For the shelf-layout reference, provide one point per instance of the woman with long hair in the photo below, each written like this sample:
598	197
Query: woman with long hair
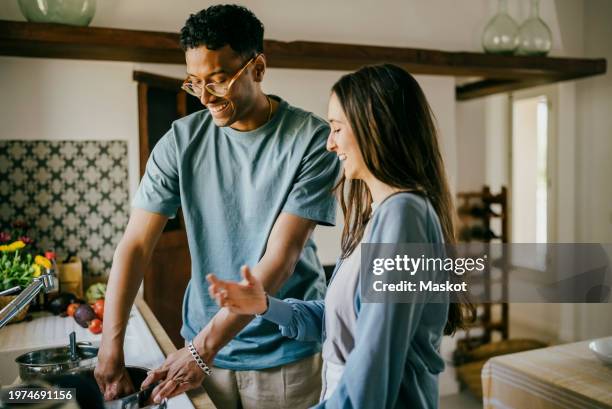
394	190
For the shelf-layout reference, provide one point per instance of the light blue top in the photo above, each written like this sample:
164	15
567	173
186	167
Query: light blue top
231	187
396	360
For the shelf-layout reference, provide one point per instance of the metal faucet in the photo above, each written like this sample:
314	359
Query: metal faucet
44	282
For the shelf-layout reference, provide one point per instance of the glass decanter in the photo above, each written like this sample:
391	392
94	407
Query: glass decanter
500	36
535	37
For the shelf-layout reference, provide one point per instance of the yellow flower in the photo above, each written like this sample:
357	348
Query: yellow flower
16	245
42	261
37	271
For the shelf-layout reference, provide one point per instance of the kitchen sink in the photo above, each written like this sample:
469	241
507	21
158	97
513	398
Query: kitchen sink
47	331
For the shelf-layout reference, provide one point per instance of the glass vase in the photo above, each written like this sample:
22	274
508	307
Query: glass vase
500	36
535	37
74	12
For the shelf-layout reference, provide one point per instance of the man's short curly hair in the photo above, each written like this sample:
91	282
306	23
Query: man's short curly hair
218	25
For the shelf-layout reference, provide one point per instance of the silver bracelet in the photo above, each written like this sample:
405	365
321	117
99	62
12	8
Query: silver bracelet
198	359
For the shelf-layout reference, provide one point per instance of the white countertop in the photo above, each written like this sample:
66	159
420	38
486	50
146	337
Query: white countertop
46	330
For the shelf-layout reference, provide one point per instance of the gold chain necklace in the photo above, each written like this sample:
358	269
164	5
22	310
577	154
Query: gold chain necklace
269	109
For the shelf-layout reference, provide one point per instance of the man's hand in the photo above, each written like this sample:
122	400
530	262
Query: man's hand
178	374
112	377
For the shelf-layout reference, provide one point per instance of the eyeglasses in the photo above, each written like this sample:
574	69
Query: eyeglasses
218	89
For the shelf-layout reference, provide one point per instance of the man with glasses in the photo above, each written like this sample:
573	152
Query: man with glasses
253	178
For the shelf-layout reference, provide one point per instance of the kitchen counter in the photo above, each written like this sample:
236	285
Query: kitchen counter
198	396
146	345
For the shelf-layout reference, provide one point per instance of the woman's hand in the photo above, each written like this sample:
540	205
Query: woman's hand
247	297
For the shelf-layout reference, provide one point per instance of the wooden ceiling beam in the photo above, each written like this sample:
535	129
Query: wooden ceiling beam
501	73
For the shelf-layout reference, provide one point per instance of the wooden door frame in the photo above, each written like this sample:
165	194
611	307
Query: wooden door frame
173	239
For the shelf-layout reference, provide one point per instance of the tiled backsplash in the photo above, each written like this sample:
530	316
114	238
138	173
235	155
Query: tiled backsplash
73	194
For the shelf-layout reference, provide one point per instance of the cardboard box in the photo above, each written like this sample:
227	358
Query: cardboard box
71	276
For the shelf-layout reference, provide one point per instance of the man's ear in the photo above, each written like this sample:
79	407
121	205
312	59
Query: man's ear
259	68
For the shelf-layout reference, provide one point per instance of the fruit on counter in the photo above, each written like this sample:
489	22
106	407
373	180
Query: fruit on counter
95	292
60	303
98	308
95	326
84	314
71	309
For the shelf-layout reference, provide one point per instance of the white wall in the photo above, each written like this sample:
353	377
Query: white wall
525	152
434	23
583	167
69	105
471	146
52	99
66	99
485	123
584	147
594	157
594	142
313	95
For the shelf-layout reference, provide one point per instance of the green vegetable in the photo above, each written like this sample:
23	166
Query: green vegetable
95	292
15	270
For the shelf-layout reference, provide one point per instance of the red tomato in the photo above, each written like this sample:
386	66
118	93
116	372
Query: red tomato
72	308
98	308
95	326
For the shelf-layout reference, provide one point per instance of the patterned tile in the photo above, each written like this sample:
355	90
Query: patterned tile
74	194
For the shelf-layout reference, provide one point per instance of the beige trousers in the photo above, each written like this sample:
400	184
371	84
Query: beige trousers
294	386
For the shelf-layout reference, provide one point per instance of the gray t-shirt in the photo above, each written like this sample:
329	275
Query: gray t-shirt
232	186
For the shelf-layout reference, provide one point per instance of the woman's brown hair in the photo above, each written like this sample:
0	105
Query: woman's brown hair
395	130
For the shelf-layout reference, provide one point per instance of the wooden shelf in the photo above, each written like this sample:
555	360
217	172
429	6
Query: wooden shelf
494	73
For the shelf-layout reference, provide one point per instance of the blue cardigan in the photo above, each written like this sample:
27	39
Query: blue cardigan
396	360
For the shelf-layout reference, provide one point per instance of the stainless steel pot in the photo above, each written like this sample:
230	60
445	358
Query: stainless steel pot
43	363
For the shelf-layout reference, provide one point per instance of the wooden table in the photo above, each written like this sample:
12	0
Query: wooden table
563	376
